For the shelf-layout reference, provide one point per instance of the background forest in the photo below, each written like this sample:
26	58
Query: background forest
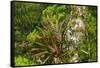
54	33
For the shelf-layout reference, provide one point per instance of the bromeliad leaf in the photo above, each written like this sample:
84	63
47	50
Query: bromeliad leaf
40	53
39	43
57	25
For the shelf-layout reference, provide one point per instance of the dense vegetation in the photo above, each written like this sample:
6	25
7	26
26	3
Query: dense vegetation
53	34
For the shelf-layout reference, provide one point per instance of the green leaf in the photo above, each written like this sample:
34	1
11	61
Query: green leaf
48	18
84	51
39	43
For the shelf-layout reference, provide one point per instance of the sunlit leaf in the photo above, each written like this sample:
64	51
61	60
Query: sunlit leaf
84	51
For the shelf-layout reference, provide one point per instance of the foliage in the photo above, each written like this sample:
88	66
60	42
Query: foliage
53	34
22	61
